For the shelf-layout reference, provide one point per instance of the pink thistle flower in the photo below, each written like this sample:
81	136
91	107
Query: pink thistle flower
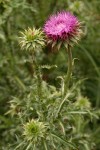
62	27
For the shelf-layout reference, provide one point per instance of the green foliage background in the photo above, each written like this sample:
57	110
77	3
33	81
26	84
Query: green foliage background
16	72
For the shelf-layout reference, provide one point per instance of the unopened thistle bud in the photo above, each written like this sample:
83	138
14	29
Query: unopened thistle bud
32	39
62	28
34	130
83	102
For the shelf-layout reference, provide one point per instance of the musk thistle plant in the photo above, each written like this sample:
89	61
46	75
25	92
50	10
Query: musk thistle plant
63	29
60	116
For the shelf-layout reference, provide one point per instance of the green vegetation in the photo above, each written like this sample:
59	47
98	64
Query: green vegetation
35	113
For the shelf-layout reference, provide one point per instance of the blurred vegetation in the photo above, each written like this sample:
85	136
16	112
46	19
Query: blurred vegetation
16	72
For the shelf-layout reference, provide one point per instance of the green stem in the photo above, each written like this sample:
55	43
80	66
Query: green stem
39	83
37	71
69	72
38	74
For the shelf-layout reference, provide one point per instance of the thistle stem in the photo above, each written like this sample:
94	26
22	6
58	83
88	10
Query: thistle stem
38	74
69	72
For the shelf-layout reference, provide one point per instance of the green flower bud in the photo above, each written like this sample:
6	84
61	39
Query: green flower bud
83	102
34	130
32	39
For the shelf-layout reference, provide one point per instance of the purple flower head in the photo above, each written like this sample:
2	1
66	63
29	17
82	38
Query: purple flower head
62	27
